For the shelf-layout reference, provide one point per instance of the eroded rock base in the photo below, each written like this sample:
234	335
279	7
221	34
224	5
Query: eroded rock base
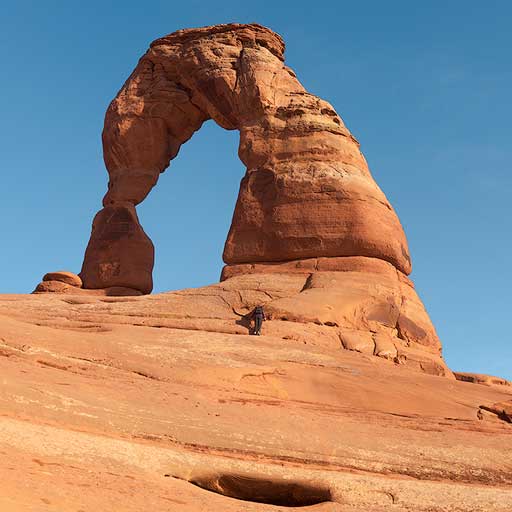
356	303
372	307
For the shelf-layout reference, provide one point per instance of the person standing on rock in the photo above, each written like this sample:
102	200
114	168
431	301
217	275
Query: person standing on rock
258	316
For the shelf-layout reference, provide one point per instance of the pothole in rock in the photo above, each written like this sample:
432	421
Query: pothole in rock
268	491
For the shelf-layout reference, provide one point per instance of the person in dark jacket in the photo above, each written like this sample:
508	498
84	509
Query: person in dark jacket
258	316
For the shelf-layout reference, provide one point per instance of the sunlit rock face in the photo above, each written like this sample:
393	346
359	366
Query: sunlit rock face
307	191
164	403
308	205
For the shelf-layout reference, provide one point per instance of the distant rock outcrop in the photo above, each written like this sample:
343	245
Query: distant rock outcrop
480	378
307	206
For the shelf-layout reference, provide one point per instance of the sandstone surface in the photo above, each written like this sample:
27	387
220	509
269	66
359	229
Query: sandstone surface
361	304
308	205
502	410
119	252
307	192
163	402
64	276
480	378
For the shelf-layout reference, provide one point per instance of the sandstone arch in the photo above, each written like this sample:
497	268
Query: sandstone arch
313	238
307	192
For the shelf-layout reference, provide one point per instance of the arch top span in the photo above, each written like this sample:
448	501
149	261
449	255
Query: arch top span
247	34
307	191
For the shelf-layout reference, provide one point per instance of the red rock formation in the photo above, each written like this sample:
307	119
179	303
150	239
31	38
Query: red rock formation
307	206
480	378
64	276
307	191
119	252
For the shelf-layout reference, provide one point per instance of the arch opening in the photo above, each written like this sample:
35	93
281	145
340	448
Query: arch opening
187	216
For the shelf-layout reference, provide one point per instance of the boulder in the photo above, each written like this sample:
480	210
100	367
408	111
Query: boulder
359	341
64	277
501	410
385	346
54	287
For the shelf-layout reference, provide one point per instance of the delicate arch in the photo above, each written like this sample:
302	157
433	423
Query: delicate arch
307	191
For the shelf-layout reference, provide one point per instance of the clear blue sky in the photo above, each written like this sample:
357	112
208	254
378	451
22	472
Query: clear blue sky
425	87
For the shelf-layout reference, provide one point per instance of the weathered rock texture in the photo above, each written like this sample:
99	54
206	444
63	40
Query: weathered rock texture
479	378
119	252
63	276
307	206
307	192
366	302
123	404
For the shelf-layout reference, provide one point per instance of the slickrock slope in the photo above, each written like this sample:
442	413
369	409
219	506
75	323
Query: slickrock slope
162	402
365	305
